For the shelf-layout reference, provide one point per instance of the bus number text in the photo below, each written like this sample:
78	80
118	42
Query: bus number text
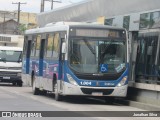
86	83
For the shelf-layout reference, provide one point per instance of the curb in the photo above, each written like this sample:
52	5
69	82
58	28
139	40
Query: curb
138	105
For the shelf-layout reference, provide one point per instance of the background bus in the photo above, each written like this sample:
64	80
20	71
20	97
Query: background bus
11	47
84	59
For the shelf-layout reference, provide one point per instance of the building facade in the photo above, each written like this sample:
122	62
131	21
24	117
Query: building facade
9	25
144	32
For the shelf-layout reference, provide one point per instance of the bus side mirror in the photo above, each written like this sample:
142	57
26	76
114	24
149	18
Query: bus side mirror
63	48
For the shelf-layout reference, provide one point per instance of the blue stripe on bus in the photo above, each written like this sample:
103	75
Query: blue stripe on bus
27	65
107	83
40	67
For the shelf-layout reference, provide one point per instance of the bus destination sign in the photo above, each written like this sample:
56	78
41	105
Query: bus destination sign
97	33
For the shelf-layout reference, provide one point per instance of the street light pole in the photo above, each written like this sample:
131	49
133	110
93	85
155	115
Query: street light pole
4	19
43	4
52	5
52	1
19	5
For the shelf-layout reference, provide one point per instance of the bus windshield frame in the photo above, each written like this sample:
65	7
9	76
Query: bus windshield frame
93	50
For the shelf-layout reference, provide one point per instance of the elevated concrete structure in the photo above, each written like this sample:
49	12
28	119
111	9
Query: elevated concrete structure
90	10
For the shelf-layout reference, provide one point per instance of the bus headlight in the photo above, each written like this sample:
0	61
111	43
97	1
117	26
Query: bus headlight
123	81
19	74
71	80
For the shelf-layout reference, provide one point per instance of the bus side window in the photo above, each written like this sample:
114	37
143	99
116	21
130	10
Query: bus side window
33	45
49	45
25	45
56	45
38	40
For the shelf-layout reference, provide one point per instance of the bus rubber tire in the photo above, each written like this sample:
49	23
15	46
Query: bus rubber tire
14	83
44	92
19	83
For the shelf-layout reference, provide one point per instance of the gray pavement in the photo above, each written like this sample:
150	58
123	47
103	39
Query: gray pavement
21	99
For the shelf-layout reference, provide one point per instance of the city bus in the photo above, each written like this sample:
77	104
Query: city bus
11	47
77	59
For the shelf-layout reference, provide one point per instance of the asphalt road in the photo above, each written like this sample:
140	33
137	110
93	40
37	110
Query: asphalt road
14	98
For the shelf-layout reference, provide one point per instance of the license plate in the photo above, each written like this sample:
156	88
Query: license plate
6	77
97	93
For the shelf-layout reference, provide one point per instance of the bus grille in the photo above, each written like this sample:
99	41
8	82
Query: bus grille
11	68
105	77
7	74
89	91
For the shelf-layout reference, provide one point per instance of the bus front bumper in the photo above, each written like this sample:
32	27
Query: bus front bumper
10	79
70	89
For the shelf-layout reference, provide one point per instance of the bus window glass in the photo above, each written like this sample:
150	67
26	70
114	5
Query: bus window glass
146	56
49	45
144	21
108	21
87	55
10	56
126	22
56	45
33	46
25	45
38	45
155	18
159	63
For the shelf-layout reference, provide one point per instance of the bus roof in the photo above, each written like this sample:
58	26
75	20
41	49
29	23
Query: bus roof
11	48
64	26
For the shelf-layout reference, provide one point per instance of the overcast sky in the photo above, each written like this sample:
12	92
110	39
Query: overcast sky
33	5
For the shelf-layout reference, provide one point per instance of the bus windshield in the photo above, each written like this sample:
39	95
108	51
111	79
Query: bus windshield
10	56
89	55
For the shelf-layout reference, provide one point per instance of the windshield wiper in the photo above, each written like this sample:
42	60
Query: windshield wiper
89	46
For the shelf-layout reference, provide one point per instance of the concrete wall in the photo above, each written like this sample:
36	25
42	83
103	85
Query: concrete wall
145	93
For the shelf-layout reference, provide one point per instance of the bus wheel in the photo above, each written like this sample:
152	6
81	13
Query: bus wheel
14	83
34	89
19	84
58	97
44	92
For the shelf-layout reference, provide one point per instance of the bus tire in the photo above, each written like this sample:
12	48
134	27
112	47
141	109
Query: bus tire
43	92
19	84
14	83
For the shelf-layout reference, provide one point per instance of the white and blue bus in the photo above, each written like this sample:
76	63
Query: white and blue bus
81	59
